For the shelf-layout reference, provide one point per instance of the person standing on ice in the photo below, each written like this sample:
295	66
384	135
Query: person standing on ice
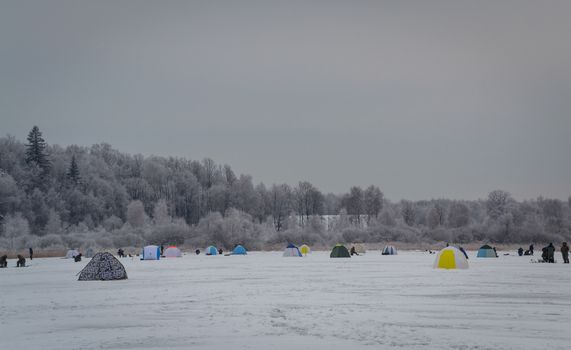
31	253
520	251
531	249
550	253
565	252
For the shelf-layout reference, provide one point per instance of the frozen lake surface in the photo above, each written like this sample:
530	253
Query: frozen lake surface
264	301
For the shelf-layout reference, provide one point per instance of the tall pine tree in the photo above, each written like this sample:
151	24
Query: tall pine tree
36	149
73	172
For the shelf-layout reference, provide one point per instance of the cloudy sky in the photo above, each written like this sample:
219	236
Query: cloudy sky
424	98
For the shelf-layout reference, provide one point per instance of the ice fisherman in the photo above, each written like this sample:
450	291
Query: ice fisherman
197	252
121	253
544	254
520	251
550	253
31	253
21	261
220	251
464	252
3	261
565	252
354	251
495	251
77	258
531	249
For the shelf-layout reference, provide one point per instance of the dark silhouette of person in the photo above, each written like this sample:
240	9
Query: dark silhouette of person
565	252
31	253
550	253
220	251
495	251
520	251
121	253
531	249
162	249
354	251
197	252
77	258
544	254
21	261
3	261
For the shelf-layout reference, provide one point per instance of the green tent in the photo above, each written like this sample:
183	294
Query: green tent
339	251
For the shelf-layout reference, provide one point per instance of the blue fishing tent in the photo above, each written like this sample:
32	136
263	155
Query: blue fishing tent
239	250
487	252
292	250
211	250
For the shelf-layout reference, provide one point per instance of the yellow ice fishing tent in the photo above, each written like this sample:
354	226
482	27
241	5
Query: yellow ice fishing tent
304	249
450	258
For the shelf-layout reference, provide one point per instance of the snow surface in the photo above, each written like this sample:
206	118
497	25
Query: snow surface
266	301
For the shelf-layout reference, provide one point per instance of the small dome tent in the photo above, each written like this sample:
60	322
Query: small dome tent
151	252
304	249
450	258
389	250
211	250
172	252
292	251
239	250
339	251
103	267
72	253
89	253
486	251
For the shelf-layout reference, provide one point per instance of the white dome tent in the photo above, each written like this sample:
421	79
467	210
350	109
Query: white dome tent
172	252
450	258
389	250
72	253
292	251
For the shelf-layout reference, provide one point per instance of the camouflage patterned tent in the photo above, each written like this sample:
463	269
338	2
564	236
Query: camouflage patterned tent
103	267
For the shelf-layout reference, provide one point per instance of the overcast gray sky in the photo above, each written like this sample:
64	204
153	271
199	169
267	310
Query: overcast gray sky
422	98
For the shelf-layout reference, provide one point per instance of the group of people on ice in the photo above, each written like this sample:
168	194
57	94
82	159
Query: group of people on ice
548	253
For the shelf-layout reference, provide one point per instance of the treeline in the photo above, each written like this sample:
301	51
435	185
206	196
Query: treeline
55	198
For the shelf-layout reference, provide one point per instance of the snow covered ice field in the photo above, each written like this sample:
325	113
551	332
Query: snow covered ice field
264	301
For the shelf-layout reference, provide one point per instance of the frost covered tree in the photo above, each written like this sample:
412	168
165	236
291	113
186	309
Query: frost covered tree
458	215
136	215
161	213
15	226
36	149
353	202
408	212
436	216
73	171
498	203
373	202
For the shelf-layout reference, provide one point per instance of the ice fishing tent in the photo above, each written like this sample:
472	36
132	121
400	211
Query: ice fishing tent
72	253
486	251
304	249
450	258
172	252
151	252
89	253
211	250
389	250
339	251
292	251
239	250
103	267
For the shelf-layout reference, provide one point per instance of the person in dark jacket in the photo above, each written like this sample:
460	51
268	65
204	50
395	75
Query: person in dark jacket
21	261
197	252
520	251
77	258
3	261
565	252
121	253
31	253
544	254
531	249
550	253
354	251
220	251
